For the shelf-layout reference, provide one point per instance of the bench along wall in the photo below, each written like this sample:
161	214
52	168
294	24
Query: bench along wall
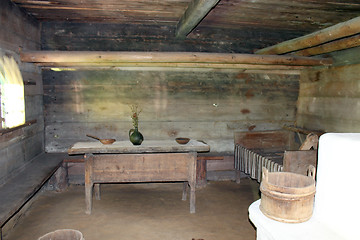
329	99
206	105
18	31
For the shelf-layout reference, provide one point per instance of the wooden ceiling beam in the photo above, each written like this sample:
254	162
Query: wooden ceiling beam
337	31
175	59
333	46
192	16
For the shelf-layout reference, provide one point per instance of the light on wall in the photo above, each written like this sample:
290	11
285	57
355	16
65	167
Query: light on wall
12	93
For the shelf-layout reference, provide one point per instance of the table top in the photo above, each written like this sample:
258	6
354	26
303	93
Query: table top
147	146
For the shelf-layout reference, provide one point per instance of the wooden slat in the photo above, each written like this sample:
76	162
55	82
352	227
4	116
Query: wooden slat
195	12
337	31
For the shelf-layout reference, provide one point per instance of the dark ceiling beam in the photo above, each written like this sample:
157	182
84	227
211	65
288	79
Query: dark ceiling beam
332	33
193	15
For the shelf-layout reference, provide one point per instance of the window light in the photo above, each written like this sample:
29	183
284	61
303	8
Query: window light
12	93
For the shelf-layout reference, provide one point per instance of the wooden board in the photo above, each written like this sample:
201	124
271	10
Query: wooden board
147	146
299	161
15	193
268	140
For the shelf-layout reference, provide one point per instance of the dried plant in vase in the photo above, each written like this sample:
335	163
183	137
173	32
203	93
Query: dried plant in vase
134	135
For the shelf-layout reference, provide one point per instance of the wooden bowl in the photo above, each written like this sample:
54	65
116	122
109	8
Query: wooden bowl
107	141
182	140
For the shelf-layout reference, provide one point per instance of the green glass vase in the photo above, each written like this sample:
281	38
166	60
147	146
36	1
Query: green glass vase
135	136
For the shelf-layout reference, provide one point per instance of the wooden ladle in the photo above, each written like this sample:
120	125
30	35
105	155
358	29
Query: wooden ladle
103	141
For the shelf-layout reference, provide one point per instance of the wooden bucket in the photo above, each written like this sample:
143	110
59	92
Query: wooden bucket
63	234
287	197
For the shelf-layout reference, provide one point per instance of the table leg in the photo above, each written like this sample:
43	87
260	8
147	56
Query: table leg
185	188
97	191
88	197
88	182
192	198
192	181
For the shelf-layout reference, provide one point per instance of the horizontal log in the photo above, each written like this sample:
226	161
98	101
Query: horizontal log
333	46
337	31
163	59
75	66
255	69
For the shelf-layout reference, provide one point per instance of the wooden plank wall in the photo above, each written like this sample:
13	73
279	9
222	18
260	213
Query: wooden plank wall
137	37
206	105
18	31
329	99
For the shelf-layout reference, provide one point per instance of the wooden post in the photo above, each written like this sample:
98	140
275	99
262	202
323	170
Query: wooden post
192	16
337	31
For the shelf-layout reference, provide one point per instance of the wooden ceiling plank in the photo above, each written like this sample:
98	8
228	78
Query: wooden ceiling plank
104	57
337	31
192	16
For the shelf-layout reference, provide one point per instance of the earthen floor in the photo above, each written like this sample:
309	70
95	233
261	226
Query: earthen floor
144	211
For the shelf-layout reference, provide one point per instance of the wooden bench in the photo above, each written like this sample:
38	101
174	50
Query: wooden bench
18	190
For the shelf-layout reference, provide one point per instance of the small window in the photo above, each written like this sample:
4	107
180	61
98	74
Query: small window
11	94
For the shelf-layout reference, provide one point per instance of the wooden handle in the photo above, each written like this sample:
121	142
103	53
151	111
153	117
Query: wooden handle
265	174
93	137
311	171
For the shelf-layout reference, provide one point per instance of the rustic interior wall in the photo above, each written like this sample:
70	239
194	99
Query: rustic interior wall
206	105
17	32
329	98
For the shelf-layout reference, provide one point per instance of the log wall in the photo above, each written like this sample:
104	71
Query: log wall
18	31
329	98
205	105
137	37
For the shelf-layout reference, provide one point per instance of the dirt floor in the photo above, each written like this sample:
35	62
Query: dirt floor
144	211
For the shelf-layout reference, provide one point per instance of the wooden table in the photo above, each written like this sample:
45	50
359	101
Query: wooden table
153	161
